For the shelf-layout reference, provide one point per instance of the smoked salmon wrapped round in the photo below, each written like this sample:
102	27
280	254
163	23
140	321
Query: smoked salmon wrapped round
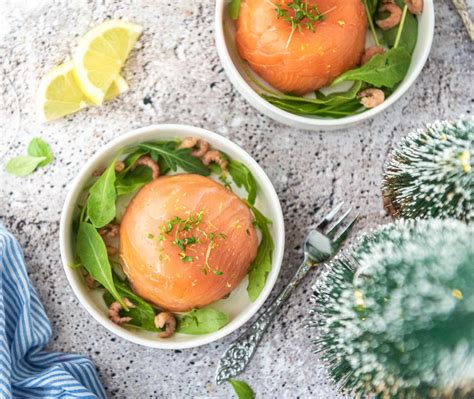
186	241
308	59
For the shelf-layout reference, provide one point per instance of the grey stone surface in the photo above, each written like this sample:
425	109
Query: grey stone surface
176	68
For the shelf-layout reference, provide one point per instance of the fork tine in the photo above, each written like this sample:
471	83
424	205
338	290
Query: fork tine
330	216
337	243
332	232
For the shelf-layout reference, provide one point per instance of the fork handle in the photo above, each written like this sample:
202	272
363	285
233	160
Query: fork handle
236	358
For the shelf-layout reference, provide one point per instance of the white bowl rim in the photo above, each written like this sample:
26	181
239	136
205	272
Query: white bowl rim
306	122
170	130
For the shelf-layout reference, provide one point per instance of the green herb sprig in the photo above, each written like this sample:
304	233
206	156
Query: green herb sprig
299	12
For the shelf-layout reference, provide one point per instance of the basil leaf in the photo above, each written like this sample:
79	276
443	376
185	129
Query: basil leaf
383	70
143	314
101	199
234	9
409	34
202	321
40	148
242	389
173	158
133	180
23	165
243	177
90	248
262	264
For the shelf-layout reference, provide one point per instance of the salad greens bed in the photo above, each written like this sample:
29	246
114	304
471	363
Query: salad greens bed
383	71
99	209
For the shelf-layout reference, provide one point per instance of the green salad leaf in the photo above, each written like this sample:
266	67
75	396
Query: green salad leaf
23	165
242	389
133	180
201	321
336	105
243	177
409	33
40	148
340	97
307	108
101	200
371	6
131	158
91	250
234	9
143	314
383	70
262	265
173	157
39	155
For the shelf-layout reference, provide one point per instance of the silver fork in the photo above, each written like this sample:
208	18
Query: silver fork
319	247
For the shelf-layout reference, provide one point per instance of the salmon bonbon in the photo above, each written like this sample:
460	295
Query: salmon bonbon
307	59
186	241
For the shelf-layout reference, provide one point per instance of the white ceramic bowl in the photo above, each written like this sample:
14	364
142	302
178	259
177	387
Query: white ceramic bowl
225	42
237	306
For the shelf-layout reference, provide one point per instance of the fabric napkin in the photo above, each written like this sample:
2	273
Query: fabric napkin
26	371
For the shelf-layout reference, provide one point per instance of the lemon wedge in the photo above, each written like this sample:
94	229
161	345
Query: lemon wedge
101	54
59	93
118	86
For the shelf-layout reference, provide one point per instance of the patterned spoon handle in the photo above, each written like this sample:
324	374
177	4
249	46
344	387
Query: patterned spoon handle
462	10
236	358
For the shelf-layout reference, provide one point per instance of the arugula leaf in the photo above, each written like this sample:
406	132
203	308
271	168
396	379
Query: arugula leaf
173	158
23	165
131	158
243	177
409	34
383	70
202	321
133	180
143	314
234	9
90	248
242	389
40	148
101	199
262	265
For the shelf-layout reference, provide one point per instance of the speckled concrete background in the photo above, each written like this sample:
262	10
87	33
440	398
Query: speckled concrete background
175	76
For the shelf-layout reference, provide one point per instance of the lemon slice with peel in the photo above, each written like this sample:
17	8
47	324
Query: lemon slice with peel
118	86
101	54
59	93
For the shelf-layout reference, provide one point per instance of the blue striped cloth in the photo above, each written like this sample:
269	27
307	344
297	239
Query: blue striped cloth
26	371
